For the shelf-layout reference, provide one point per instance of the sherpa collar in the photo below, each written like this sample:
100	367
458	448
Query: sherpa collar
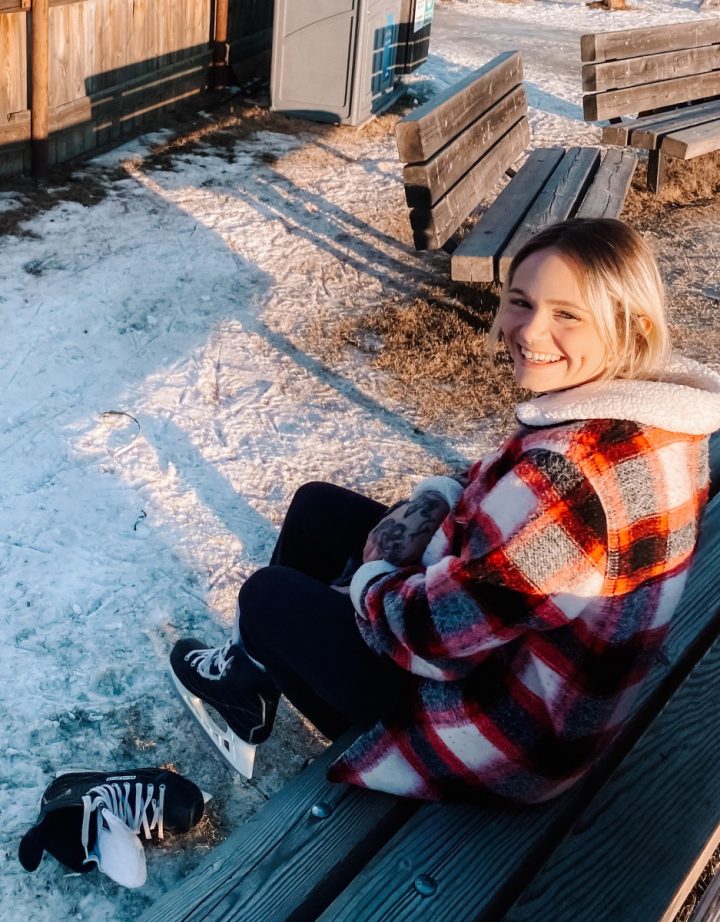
685	397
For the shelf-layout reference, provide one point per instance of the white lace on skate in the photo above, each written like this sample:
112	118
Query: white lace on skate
117	851
210	663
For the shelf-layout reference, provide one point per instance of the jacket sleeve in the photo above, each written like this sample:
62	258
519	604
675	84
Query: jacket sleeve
527	555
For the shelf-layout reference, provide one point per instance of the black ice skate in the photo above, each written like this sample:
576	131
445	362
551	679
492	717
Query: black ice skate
243	695
94	818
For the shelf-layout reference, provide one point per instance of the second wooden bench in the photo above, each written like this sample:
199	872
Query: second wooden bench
461	142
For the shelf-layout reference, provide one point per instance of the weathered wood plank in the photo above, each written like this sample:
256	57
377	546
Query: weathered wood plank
693	142
615	75
16	128
606	195
293	857
432	227
656	170
662	804
451	862
13	64
628	43
650	96
648	134
476	259
557	201
427	182
422	133
621	133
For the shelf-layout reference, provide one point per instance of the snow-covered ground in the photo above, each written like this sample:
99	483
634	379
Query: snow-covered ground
157	413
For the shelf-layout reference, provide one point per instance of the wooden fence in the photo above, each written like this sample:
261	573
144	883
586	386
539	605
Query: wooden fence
112	64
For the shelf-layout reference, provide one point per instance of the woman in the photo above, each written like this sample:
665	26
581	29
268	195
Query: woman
499	625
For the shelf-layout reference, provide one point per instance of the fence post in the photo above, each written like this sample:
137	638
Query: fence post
221	48
39	145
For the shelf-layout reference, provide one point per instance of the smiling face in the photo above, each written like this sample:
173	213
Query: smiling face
552	337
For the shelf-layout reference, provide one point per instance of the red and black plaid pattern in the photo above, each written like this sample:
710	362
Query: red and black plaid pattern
546	601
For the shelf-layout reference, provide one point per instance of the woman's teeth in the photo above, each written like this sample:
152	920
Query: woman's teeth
542	357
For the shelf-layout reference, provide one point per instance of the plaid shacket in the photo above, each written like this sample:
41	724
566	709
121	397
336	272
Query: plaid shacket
538	609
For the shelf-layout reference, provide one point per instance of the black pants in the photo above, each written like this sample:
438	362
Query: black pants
303	631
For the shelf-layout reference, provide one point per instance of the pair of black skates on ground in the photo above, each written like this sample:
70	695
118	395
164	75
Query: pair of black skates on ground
94	819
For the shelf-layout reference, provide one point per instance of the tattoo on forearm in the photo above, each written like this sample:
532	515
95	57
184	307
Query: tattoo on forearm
428	505
389	538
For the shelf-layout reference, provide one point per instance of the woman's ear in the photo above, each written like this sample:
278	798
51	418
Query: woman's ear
645	324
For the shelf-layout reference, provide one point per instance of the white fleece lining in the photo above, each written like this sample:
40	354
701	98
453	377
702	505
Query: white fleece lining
364	575
686	399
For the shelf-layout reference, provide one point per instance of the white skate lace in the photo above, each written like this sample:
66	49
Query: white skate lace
116	798
211	663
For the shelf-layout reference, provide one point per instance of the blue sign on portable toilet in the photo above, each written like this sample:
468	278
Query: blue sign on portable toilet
341	60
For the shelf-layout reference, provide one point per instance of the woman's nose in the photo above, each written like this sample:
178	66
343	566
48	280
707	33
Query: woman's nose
535	326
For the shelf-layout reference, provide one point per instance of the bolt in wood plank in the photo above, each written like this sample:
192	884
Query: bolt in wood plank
427	182
615	75
293	856
557	201
647	136
422	133
628	43
651	96
432	227
693	142
451	862
606	195
475	260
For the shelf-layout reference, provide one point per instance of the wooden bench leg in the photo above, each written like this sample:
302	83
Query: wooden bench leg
656	170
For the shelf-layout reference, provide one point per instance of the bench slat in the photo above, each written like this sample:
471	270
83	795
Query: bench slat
606	196
615	75
432	227
472	863
650	96
693	142
558	199
427	182
475	260
623	133
662	804
627	43
422	133
284	859
648	134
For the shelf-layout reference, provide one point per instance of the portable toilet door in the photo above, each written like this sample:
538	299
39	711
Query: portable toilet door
334	60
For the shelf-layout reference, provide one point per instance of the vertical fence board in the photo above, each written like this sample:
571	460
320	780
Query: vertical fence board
13	64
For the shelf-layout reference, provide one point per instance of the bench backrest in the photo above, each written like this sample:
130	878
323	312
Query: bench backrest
641	70
458	144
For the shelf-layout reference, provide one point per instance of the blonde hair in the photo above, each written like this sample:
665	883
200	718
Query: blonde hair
620	282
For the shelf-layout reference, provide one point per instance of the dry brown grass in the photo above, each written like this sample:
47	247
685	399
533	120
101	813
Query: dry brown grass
431	350
687	182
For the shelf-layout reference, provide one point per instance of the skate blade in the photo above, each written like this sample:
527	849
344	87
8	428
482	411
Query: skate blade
238	754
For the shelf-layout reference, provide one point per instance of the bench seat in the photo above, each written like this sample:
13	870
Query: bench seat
667	79
459	144
552	185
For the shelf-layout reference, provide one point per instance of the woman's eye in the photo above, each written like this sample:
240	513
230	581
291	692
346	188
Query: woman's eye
519	302
566	315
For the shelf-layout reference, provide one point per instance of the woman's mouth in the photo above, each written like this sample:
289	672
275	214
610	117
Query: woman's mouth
539	358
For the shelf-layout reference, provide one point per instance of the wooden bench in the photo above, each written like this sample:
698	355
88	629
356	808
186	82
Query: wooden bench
460	143
669	76
625	845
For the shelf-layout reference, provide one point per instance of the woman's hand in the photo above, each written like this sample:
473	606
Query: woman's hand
402	536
